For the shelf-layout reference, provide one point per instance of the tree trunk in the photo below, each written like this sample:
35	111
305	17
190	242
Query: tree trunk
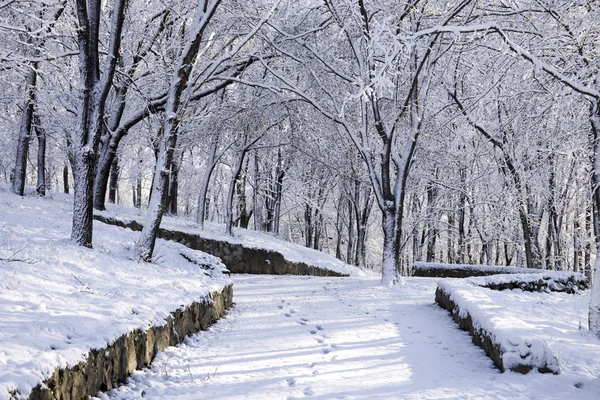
243	214
431	224
113	187
41	156
349	251
391	247
462	205
211	162
589	233
258	223
20	173
137	193
94	88
236	174
450	245
101	180
594	310
66	179
362	219
173	192
318	218
308	226
278	195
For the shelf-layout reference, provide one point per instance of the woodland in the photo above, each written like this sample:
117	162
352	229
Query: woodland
382	132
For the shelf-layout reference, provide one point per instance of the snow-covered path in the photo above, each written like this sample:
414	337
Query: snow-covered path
334	338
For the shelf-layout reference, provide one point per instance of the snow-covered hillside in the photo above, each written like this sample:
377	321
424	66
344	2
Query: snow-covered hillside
59	300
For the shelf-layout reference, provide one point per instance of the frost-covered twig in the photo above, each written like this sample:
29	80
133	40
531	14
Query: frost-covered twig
12	258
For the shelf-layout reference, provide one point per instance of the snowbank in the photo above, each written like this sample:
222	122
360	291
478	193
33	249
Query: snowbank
59	300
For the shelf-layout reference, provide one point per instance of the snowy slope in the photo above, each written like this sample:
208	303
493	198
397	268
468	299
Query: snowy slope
249	238
59	300
348	338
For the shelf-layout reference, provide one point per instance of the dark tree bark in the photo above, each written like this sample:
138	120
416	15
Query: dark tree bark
350	257
66	179
113	187
363	204
173	185
20	173
431	224
308	226
244	216
41	156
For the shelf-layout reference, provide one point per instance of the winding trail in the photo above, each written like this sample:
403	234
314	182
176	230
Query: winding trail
291	337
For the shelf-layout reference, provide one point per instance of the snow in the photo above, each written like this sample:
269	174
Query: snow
59	300
490	268
555	279
249	238
521	341
352	338
287	336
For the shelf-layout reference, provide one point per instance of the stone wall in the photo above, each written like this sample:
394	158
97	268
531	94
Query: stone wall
107	367
237	257
435	270
486	340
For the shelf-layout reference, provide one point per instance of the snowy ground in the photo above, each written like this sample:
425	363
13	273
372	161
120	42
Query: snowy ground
59	300
350	338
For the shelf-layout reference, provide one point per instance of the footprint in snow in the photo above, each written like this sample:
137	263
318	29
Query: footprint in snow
326	350
287	314
292	311
291	382
308	391
304	319
302	322
313	332
319	340
319	327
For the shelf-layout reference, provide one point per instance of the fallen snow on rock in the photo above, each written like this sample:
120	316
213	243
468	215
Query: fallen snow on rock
532	328
59	300
292	337
555	281
249	238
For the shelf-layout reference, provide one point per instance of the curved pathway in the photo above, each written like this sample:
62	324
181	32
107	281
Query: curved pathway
291	337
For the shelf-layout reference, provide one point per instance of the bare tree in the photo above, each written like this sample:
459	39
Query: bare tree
95	85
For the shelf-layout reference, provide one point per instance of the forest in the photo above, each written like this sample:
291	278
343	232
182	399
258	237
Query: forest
382	132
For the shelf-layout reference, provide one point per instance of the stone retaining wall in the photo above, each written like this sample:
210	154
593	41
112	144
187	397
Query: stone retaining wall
435	270
485	340
237	257
107	367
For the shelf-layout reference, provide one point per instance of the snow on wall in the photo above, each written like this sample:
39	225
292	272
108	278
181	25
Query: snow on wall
519	342
249	238
487	268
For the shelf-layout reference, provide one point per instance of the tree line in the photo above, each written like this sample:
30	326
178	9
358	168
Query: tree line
384	132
